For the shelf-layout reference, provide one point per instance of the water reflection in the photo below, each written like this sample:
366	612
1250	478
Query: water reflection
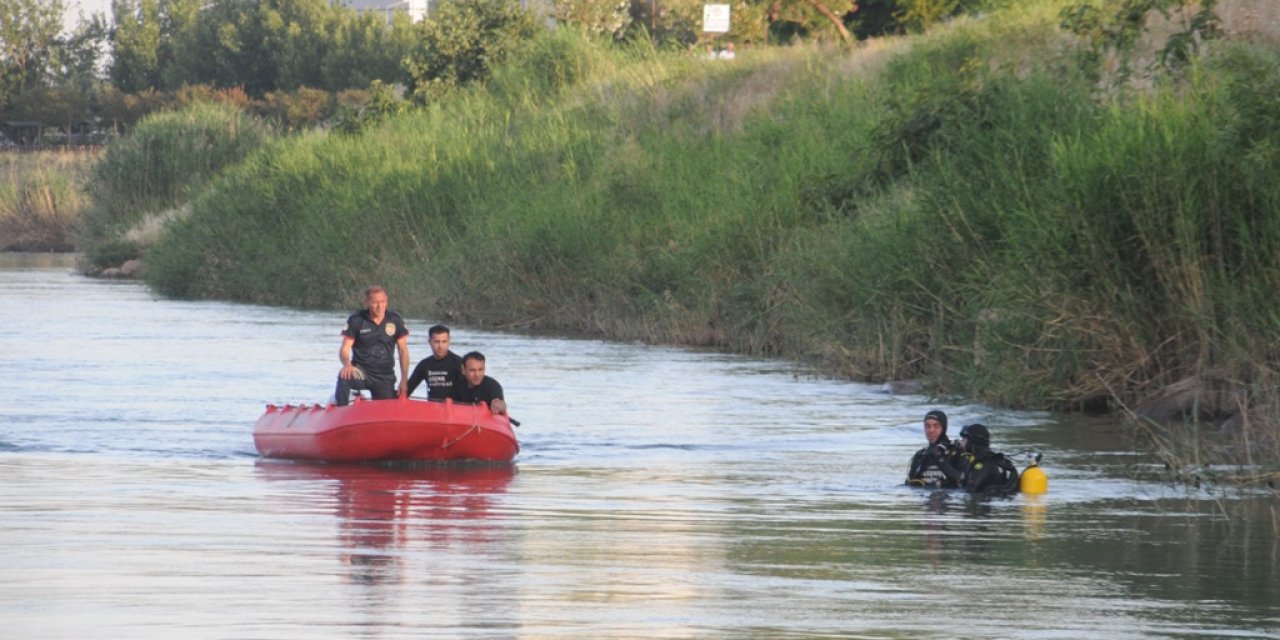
33	261
387	515
956	525
935	525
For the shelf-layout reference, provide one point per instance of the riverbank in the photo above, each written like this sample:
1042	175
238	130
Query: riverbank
978	208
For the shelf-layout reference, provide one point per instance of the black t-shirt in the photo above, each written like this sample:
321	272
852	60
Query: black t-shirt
374	350
487	391
442	375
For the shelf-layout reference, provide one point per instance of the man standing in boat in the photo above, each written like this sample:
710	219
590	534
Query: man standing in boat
442	370
369	342
477	387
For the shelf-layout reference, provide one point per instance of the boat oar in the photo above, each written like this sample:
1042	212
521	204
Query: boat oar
514	422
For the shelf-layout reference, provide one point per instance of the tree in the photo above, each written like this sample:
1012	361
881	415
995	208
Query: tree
300	32
794	10
28	41
57	107
78	58
1114	28
366	48
226	45
178	19
135	44
597	17
464	42
297	110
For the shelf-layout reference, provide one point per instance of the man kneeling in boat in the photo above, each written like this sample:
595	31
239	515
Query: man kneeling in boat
368	343
477	387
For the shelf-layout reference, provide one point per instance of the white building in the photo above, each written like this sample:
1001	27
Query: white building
417	9
422	9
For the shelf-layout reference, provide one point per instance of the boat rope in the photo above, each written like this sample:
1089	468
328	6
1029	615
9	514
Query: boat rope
450	443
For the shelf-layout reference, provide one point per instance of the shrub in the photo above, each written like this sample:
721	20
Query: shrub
168	158
464	42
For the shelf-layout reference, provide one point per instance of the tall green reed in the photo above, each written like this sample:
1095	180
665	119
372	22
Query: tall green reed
167	159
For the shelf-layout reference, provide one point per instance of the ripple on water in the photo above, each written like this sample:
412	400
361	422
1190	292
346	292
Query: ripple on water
693	495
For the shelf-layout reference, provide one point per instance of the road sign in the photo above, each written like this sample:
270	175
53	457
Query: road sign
715	18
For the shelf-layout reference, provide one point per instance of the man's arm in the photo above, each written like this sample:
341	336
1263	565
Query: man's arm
344	356
944	461
497	401
418	376
402	345
916	470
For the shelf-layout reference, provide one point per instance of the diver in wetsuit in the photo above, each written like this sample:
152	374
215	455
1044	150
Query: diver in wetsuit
984	470
936	465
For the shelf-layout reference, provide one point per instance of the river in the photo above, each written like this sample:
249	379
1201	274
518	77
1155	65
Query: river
659	493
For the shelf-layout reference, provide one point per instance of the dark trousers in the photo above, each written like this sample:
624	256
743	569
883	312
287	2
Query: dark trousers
381	388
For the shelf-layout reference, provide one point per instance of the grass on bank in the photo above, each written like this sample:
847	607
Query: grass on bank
42	198
969	209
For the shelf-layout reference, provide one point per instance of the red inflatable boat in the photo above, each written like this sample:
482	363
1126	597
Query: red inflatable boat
382	430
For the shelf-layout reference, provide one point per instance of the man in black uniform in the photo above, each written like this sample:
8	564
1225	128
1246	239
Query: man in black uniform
986	471
935	466
369	342
477	387
442	370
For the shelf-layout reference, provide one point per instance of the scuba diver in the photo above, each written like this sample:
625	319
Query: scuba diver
937	465
984	470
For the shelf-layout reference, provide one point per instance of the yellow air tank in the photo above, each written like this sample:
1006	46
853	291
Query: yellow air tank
1033	480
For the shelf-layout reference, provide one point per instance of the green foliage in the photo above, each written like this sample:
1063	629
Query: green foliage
464	42
120	112
168	158
548	65
278	45
1182	47
302	109
922	15
677	24
359	110
876	18
935	94
970	211
1251	79
29	44
1099	251
75	61
136	45
609	18
366	49
54	106
1116	26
